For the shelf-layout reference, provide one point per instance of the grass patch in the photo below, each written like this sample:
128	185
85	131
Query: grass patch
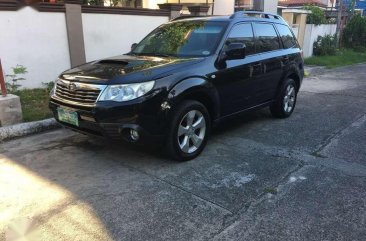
34	104
271	190
342	58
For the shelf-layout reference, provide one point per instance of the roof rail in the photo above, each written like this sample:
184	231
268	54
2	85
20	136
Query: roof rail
185	17
257	14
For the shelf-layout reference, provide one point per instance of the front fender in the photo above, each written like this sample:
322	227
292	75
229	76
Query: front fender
197	88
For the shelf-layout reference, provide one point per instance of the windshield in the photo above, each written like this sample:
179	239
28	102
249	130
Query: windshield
182	39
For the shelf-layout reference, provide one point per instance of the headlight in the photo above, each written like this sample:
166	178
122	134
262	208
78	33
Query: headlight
126	92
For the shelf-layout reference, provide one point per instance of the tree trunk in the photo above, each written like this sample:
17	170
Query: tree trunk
353	8
339	23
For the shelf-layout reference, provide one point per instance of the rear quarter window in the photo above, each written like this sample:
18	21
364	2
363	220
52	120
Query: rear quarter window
287	36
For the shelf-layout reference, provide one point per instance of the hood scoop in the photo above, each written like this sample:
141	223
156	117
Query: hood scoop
113	61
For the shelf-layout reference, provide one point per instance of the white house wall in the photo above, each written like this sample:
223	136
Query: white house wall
37	40
107	35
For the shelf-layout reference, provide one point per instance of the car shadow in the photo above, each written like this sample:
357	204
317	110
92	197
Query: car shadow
104	174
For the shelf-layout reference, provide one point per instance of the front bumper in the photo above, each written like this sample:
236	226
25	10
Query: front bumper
115	120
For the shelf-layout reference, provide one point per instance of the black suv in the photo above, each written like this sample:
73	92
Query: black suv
182	78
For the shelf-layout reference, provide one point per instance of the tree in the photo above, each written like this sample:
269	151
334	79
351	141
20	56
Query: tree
317	15
354	34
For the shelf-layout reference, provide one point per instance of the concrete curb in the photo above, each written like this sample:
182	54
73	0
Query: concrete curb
23	129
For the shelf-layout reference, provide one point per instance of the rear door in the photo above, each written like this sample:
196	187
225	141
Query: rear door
269	46
291	55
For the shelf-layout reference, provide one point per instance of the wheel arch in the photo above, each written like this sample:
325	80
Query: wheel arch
296	78
292	73
199	89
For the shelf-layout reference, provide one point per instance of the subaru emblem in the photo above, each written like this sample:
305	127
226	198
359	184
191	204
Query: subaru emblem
72	87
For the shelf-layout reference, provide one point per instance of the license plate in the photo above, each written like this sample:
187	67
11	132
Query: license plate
68	116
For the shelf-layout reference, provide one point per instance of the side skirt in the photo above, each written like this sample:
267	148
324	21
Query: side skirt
253	108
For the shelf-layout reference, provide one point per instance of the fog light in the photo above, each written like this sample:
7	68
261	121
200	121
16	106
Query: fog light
135	136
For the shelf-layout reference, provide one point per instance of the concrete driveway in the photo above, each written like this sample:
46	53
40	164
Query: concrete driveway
303	178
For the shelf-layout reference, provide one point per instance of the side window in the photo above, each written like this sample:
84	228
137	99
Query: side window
267	39
242	33
287	37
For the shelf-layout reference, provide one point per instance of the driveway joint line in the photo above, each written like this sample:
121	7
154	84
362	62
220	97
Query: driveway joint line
339	133
258	200
350	169
180	188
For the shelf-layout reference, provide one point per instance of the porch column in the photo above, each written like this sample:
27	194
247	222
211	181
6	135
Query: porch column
266	6
173	8
296	18
75	35
199	10
224	7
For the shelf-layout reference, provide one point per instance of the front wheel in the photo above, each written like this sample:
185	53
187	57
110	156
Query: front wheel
189	130
286	100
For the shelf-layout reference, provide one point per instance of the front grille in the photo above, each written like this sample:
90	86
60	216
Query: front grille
77	93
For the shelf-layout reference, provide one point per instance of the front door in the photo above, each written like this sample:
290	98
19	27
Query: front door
235	82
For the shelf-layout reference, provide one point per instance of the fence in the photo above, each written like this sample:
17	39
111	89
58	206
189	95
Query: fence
38	38
311	35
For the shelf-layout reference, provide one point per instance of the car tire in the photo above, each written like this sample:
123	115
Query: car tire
189	130
285	103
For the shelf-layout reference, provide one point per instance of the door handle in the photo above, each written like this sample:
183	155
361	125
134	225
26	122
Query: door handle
286	58
254	68
257	65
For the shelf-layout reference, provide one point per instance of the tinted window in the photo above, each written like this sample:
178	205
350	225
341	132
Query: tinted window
267	39
242	33
287	37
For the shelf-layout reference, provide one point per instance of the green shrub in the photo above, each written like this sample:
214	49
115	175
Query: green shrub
325	45
317	15
12	85
354	34
48	85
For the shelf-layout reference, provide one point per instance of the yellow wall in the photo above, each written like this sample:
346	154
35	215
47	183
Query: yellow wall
153	4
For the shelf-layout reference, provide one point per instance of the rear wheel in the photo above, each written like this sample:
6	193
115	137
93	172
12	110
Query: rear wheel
286	100
189	130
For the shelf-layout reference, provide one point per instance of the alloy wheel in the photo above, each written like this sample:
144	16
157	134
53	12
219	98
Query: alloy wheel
191	131
289	99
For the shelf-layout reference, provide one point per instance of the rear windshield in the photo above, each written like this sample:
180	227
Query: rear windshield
182	39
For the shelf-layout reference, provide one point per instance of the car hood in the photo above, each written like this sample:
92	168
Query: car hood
127	69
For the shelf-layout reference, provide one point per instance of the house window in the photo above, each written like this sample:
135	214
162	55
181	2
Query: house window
243	4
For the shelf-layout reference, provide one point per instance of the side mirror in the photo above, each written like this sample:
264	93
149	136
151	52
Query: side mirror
235	51
133	46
